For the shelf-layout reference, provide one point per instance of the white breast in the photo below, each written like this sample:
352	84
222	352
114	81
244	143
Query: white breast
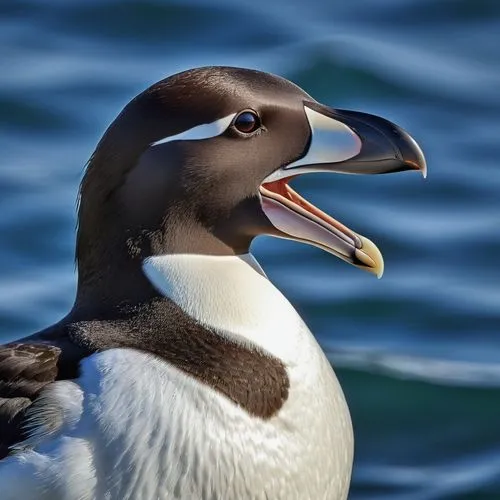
149	431
233	295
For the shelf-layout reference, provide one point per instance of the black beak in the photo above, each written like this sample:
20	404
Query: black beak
347	142
371	145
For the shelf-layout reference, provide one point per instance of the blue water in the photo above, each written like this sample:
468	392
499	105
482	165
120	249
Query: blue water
418	351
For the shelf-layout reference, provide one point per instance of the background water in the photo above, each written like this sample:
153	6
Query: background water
418	351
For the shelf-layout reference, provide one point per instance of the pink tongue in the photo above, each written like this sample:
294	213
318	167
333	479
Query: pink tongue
282	188
296	225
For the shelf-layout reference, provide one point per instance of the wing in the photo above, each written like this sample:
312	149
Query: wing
26	367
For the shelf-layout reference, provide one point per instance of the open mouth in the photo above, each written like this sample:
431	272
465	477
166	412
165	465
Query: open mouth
344	142
298	219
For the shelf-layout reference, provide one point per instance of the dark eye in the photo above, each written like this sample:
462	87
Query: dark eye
247	122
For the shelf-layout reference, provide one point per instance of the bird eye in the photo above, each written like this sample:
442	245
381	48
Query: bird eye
247	122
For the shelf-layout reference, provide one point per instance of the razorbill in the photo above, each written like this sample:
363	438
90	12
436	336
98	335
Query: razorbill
181	372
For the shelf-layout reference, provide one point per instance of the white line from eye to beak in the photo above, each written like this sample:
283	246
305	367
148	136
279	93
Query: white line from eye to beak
203	131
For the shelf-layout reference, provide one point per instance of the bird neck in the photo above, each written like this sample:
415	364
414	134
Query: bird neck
110	272
230	294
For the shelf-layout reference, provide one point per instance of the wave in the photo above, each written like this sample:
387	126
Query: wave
448	372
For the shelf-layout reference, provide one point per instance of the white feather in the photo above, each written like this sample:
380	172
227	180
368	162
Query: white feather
233	295
147	430
58	408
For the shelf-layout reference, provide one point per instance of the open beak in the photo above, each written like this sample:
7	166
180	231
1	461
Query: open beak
347	142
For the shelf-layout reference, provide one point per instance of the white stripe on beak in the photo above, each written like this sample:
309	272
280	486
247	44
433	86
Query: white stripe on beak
331	141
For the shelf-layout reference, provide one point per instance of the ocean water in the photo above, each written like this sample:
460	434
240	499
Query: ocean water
418	352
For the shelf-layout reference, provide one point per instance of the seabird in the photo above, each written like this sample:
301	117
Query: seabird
181	372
